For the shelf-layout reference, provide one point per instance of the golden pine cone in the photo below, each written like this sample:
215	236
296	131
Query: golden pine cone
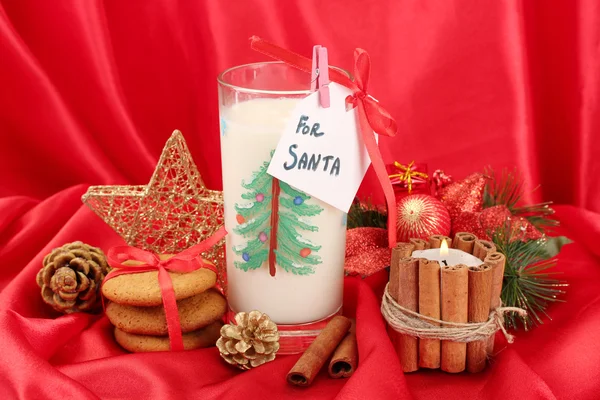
71	276
253	341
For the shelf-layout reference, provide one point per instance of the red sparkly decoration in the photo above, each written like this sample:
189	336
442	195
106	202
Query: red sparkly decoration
420	216
484	223
439	180
367	251
464	196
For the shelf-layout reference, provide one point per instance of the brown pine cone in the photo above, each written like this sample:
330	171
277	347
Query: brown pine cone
71	276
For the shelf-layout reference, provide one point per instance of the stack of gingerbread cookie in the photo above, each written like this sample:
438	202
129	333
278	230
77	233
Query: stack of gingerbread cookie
136	309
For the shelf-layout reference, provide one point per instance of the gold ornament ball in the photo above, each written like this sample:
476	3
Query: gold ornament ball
420	216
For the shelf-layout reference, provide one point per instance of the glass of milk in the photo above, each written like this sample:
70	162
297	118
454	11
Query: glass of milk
285	249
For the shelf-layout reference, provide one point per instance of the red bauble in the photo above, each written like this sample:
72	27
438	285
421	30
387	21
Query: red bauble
305	252
420	216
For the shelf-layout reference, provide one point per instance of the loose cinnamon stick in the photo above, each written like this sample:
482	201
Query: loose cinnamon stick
482	248
345	359
313	359
435	241
419	244
497	261
455	298
480	289
464	241
429	305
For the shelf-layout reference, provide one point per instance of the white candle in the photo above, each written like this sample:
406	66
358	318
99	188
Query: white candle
446	256
251	131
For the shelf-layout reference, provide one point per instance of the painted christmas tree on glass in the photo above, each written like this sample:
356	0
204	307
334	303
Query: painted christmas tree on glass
271	221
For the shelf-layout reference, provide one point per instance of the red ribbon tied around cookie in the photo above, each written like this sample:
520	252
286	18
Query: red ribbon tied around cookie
187	261
372	117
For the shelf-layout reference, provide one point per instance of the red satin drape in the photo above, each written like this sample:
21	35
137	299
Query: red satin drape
91	90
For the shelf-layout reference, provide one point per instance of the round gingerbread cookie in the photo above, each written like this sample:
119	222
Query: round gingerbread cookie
143	290
194	313
204	337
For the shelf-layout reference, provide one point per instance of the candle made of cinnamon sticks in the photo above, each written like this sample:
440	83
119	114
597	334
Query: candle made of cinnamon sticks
480	289
435	241
419	244
464	241
454	300
345	358
429	305
313	359
482	248
498	262
404	288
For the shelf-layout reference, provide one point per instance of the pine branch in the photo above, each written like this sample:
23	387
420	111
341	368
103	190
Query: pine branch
366	214
290	191
506	188
253	224
256	207
301	210
287	218
255	261
528	281
289	266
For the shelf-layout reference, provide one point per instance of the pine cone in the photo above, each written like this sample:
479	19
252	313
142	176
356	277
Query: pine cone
70	277
253	341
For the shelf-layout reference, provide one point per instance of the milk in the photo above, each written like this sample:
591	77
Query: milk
250	131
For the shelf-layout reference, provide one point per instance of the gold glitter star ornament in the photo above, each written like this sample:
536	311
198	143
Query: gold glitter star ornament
173	212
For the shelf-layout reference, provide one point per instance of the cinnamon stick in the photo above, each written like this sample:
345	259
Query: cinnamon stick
482	248
429	305
464	241
455	298
345	359
419	244
498	262
480	289
313	359
402	250
435	241
407	295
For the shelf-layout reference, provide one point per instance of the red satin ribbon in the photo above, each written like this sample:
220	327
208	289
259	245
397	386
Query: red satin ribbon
187	261
371	116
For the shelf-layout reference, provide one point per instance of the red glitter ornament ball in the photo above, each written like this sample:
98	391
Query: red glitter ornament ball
420	216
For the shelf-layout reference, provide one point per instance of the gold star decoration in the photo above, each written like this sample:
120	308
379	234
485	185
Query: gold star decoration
173	212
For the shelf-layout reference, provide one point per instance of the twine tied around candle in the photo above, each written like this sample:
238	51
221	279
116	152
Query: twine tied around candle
412	323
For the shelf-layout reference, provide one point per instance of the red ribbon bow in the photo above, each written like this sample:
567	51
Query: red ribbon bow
371	116
187	261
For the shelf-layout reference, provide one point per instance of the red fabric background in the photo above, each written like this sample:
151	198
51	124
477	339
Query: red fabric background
90	91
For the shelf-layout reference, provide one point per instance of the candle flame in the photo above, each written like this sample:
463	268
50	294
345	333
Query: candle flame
444	248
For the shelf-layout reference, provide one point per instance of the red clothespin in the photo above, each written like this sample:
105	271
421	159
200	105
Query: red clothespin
320	74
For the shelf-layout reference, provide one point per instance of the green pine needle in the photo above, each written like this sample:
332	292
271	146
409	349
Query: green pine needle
365	214
528	281
506	188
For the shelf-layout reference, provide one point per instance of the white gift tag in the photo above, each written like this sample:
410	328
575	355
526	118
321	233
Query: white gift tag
321	151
